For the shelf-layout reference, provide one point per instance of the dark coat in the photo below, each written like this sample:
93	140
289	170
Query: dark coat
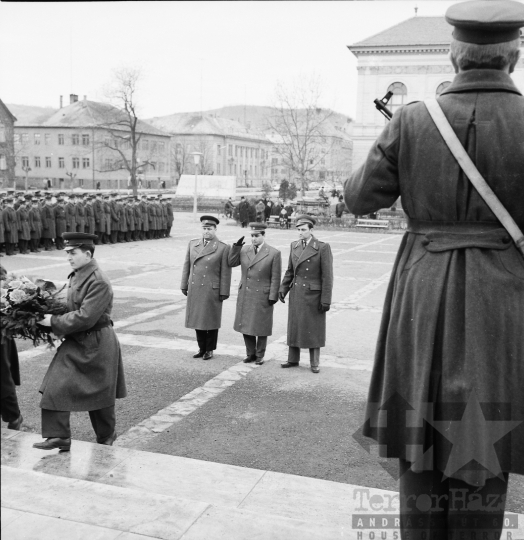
10	225
90	219
130	217
258	285
169	208
86	372
452	325
48	222
106	205
206	276
24	228
145	216
138	217
60	220
98	209
35	222
252	213
70	217
115	215
80	217
10	368
122	217
243	212
309	277
2	234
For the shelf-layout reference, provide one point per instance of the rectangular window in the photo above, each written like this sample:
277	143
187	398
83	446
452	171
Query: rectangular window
76	163
229	149
25	138
153	146
85	139
162	146
2	134
17	138
37	161
236	151
75	139
85	163
81	182
25	161
3	163
145	145
37	138
48	162
60	138
47	138
255	170
61	163
219	149
107	141
235	168
218	168
107	164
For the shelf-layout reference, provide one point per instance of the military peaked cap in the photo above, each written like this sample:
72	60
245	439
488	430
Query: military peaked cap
486	21
209	220
75	239
303	219
256	226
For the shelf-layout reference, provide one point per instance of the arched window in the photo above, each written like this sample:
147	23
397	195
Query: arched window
441	87
399	96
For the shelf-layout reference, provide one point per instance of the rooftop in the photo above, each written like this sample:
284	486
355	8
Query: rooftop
417	31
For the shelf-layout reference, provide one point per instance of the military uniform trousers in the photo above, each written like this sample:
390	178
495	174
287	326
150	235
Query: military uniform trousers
255	346
9	408
56	423
294	356
207	340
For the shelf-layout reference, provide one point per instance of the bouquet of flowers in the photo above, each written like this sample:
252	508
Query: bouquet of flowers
24	303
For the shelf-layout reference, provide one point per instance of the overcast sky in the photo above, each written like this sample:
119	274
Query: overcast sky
220	53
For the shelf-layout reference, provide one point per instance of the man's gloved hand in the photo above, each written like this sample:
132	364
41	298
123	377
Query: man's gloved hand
223	297
281	297
324	307
272	302
239	242
184	292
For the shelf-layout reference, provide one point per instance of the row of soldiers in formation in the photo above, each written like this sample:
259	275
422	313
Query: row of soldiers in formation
31	221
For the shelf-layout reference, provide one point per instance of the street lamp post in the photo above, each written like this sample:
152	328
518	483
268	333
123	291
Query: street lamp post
196	157
26	170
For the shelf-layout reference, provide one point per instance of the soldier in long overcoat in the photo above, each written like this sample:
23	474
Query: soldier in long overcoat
86	373
90	215
80	214
106	239
206	281
10	226
130	219
309	277
24	228
35	222
60	221
48	223
261	266
122	220
115	218
243	212
169	210
151	211
100	220
452	335
70	213
137	235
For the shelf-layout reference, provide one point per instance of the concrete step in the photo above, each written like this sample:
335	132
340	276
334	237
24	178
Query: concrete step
96	491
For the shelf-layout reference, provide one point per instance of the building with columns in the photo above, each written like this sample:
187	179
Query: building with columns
409	59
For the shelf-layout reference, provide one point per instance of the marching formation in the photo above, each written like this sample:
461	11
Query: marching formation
34	221
206	281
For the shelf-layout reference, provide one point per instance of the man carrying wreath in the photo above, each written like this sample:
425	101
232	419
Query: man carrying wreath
86	373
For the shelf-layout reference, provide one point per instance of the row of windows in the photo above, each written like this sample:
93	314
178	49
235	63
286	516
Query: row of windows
84	139
244	151
111	164
37	162
400	93
234	169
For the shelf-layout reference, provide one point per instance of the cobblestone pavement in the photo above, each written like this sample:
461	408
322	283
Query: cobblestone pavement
263	417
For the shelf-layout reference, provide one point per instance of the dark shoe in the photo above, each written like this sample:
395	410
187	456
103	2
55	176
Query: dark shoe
287	364
315	369
109	441
15	424
259	361
64	445
199	354
207	355
249	359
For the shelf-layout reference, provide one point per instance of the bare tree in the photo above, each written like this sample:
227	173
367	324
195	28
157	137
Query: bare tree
206	159
122	137
179	155
299	125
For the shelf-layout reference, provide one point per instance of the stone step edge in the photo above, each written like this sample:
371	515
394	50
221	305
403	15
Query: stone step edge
149	494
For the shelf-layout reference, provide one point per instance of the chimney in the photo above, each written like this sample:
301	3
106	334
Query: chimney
73	98
85	99
61	101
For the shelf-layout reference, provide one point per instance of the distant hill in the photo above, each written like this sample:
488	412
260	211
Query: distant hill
30	114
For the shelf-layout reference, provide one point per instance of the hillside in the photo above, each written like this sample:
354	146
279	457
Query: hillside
30	114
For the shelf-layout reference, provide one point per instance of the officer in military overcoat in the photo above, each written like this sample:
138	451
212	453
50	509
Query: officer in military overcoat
137	235
35	222
206	281
24	228
99	215
80	213
309	280
86	373
48	223
60	221
106	237
451	340
169	210
90	215
10	226
145	218
261	266
70	213
130	219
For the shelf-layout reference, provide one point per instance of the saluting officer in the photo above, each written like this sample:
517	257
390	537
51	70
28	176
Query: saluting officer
309	277
206	281
261	266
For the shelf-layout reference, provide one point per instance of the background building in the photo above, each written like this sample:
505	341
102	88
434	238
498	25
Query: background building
85	144
228	147
7	149
409	59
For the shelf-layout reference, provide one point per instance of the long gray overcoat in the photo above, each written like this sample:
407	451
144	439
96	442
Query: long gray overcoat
86	372
10	225
70	216
259	284
309	281
48	222
35	221
90	219
107	215
24	227
206	275
61	220
453	321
